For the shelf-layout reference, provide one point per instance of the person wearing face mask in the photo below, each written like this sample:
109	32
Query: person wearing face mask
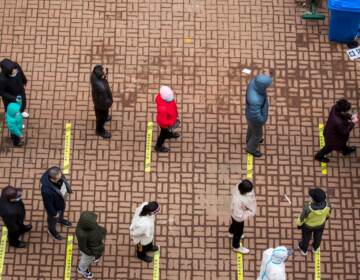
337	130
14	122
12	84
167	117
243	207
273	263
142	229
312	220
102	98
12	211
55	190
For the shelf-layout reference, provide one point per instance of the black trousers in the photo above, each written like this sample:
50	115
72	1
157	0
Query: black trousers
164	134
141	250
327	150
52	221
16	139
101	117
13	236
306	235
237	229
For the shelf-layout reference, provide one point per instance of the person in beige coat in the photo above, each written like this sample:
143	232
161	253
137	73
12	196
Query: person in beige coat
243	207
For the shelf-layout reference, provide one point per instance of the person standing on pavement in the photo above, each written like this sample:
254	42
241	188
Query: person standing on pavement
142	229
55	190
257	107
12	84
90	237
14	122
167	117
273	263
102	98
243	207
337	130
12	211
313	219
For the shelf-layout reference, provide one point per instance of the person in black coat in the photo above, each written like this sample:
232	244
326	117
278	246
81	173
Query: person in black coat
337	130
12	84
102	98
55	190
12	211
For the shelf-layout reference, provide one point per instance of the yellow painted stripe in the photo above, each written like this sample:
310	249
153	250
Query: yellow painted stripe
249	166
67	148
68	261
156	265
317	265
3	249
322	144
240	269
149	136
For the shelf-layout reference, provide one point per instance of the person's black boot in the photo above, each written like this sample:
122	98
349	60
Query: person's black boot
154	248
162	149
349	150
145	258
20	245
322	159
27	228
174	135
109	118
105	134
255	154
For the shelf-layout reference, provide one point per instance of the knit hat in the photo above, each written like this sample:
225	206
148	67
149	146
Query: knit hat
151	208
166	93
317	194
10	192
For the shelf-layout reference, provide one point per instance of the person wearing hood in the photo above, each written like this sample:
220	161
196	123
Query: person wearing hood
142	229
337	130
12	211
243	207
167	117
12	84
90	237
14	122
257	107
273	263
312	220
55	190
102	98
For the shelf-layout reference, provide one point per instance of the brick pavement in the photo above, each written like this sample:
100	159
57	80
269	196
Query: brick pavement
199	48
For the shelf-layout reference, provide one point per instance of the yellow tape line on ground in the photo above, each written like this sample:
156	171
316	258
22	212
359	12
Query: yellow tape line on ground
67	148
3	249
240	269
68	260
156	265
322	144
317	265
149	133
249	166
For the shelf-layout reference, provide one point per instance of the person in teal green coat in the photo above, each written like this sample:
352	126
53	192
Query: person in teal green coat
14	122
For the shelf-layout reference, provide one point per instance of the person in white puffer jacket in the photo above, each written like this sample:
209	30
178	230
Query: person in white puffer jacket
273	263
142	229
243	207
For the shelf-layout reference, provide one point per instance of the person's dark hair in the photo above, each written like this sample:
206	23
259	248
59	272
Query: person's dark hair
151	207
245	186
342	105
53	171
98	70
9	192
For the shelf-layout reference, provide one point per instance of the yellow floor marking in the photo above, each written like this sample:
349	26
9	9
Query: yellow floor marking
322	144
249	166
156	265
240	269
3	249
317	265
67	148
149	136
68	261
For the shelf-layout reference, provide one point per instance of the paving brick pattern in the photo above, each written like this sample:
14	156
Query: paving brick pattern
199	48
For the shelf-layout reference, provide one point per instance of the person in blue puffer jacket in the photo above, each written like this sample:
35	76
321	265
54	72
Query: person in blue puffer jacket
14	122
257	107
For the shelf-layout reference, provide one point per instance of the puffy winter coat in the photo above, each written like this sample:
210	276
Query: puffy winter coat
166	112
273	264
90	235
257	103
142	227
14	119
12	213
243	206
101	93
314	215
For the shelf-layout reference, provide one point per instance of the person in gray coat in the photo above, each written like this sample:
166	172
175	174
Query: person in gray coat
257	107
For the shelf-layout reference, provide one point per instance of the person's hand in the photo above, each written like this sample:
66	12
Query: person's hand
355	118
57	215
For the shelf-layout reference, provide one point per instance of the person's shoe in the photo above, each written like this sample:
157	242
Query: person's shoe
25	115
27	228
87	274
162	149
109	118
349	150
65	223
255	154
20	245
242	250
302	252
154	248
315	251
322	159
105	134
55	236
230	235
20	144
262	140
146	258
96	260
174	135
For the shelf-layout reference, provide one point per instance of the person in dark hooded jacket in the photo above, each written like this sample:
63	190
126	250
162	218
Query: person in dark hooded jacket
257	107
12	211
12	84
90	236
102	98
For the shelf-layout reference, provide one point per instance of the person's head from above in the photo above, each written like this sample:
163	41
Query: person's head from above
245	187
343	106
100	72
55	175
8	67
151	208
280	254
262	82
317	195
167	93
11	194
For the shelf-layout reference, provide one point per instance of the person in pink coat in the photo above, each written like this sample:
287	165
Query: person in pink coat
243	207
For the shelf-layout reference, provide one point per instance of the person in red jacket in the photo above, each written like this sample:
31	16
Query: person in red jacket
167	117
